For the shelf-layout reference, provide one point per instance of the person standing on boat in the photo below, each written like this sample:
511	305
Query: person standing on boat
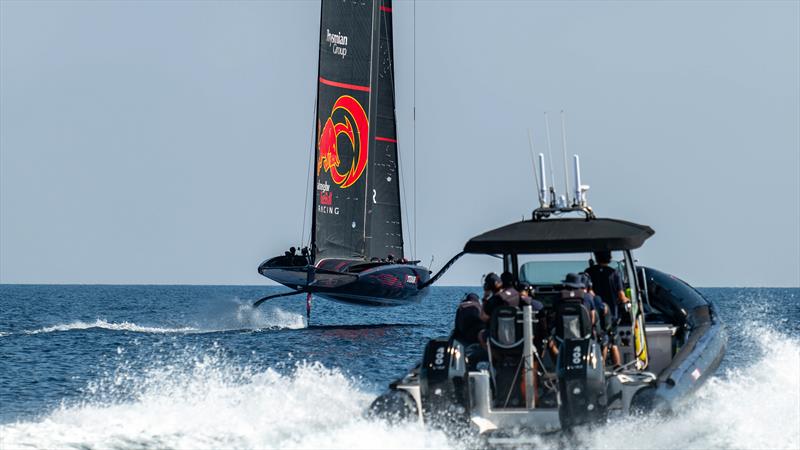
607	283
600	314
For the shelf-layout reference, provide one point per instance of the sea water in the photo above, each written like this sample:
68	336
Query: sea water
197	367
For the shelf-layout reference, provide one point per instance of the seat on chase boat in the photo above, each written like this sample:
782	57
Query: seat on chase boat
506	342
572	320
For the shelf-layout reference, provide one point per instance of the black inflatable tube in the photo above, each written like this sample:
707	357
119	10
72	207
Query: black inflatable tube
698	359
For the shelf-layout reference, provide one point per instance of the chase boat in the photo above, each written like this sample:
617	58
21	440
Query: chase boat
672	339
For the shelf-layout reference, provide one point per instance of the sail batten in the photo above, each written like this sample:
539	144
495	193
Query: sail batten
356	192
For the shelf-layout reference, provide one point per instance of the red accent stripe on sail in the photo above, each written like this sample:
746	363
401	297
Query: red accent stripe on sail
386	9
385	139
354	87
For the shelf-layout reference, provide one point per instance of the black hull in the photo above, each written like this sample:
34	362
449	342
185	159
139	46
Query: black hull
704	343
355	282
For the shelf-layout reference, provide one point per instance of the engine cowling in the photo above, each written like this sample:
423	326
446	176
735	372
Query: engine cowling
581	383
442	383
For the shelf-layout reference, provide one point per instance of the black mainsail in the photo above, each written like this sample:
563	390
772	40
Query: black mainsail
357	195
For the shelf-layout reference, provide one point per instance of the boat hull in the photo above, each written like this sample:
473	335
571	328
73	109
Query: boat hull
377	284
686	318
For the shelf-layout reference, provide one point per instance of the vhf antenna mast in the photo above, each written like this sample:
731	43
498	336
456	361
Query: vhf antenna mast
560	204
564	148
550	157
580	189
540	181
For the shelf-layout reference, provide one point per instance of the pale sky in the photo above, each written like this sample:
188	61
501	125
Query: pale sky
168	142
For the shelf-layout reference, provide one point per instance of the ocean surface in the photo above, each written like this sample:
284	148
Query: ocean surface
196	367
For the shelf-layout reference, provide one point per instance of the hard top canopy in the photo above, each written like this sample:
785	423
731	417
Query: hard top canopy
560	236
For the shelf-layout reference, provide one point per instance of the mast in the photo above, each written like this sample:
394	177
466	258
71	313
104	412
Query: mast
384	218
313	245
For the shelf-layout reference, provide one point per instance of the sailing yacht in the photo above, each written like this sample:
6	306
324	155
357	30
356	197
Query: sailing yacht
356	250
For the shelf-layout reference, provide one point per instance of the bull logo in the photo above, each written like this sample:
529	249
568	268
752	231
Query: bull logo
355	128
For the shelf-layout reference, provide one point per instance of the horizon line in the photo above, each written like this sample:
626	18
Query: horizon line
278	285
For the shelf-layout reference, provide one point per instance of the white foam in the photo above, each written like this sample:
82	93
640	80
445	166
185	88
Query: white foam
212	406
4	334
267	318
101	323
755	407
206	402
235	316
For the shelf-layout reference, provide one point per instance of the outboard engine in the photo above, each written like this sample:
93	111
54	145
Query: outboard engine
442	383
580	371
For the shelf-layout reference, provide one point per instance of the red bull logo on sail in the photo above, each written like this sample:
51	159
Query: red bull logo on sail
354	126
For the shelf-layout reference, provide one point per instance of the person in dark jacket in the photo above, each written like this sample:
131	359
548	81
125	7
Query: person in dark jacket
495	295
607	283
468	320
602	323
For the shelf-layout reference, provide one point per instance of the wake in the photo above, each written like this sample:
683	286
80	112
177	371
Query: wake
201	399
234	315
214	405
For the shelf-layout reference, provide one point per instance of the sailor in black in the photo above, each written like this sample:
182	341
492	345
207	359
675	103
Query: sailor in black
468	320
600	316
496	295
607	283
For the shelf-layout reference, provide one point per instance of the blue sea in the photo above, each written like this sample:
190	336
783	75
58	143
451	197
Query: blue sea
193	367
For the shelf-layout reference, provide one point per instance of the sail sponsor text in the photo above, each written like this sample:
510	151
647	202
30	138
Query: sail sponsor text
337	41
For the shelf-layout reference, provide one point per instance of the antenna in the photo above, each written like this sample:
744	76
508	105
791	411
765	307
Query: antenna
564	148
533	163
542	182
550	155
580	189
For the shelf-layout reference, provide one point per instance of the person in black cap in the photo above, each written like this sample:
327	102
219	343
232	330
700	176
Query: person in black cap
468	320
